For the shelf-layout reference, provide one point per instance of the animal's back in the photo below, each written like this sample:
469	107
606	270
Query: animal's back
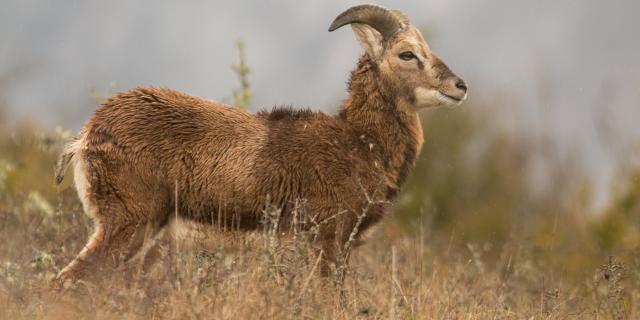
147	120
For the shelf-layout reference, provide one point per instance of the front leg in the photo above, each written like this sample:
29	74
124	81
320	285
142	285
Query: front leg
336	239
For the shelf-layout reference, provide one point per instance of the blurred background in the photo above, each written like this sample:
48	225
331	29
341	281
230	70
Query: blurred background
545	152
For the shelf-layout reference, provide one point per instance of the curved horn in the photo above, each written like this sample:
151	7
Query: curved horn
384	21
402	17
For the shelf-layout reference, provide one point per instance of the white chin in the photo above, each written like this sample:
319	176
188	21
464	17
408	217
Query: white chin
449	101
426	98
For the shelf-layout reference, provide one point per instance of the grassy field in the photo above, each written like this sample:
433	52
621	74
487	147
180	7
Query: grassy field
415	266
262	276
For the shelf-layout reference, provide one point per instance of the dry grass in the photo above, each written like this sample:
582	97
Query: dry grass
264	276
468	243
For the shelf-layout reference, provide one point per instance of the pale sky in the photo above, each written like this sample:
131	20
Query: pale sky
563	64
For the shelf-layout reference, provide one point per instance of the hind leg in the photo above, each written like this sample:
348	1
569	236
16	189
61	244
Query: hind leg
120	233
76	267
151	252
110	245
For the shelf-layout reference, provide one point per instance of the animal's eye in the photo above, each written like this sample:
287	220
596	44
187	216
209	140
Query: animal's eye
407	55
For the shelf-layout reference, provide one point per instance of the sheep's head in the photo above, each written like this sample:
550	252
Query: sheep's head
404	61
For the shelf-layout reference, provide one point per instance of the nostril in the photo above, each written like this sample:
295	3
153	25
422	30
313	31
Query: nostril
461	85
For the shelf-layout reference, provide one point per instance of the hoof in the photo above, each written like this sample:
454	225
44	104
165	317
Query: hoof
63	281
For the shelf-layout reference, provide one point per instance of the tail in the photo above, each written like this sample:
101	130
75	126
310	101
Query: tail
65	158
62	165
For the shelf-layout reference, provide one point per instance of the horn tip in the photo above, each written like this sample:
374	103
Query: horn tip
335	25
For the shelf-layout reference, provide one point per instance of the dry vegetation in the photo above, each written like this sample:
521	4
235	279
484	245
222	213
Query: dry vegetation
468	247
470	238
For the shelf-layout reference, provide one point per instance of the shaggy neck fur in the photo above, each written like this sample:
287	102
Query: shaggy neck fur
386	121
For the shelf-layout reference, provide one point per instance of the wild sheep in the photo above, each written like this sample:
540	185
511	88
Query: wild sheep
149	154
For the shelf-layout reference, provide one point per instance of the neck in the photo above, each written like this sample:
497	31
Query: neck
387	121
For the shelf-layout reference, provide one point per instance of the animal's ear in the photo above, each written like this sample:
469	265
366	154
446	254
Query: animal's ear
370	40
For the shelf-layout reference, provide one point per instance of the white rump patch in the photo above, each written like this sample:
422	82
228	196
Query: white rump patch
80	177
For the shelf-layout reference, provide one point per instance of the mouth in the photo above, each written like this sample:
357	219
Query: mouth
453	98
